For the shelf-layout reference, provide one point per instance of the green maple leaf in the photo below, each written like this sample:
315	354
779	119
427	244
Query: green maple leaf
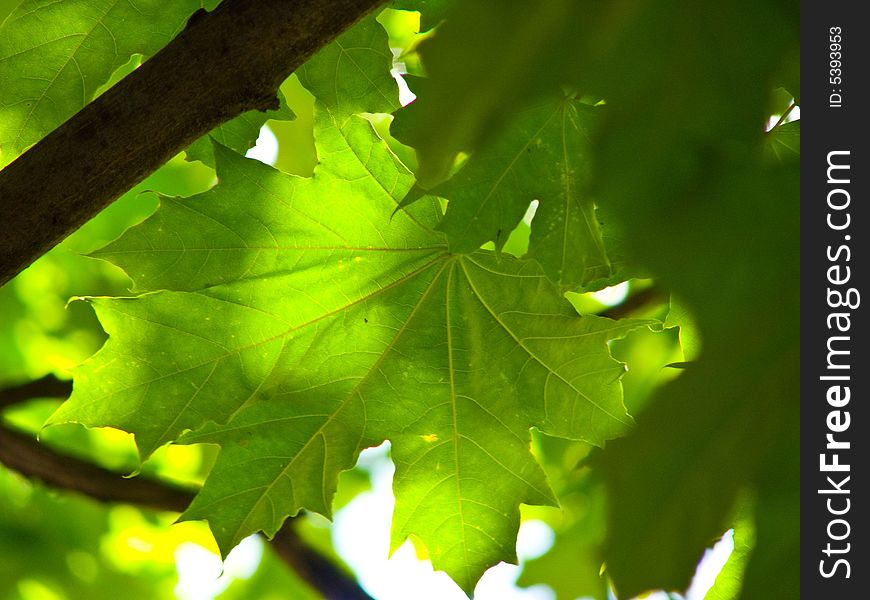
542	155
352	74
676	500
783	143
299	323
239	134
730	578
512	53
68	50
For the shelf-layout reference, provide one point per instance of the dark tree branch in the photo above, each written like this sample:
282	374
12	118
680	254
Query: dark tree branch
310	565
24	454
223	64
47	387
643	299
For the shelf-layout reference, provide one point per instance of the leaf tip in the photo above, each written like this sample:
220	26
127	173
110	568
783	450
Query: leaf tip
76	299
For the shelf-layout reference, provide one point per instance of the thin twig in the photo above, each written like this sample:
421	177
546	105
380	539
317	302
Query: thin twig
24	454
634	303
784	116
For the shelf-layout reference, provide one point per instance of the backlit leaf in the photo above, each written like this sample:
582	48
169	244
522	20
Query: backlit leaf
783	143
299	323
728	581
67	50
543	155
239	134
352	74
487	59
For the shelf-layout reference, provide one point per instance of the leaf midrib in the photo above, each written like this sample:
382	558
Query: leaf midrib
283	334
320	431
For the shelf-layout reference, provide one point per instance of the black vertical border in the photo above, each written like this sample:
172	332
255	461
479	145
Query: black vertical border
828	127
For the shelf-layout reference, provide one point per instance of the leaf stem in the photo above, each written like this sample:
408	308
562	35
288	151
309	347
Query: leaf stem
784	116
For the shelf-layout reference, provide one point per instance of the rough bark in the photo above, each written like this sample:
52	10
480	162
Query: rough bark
224	63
